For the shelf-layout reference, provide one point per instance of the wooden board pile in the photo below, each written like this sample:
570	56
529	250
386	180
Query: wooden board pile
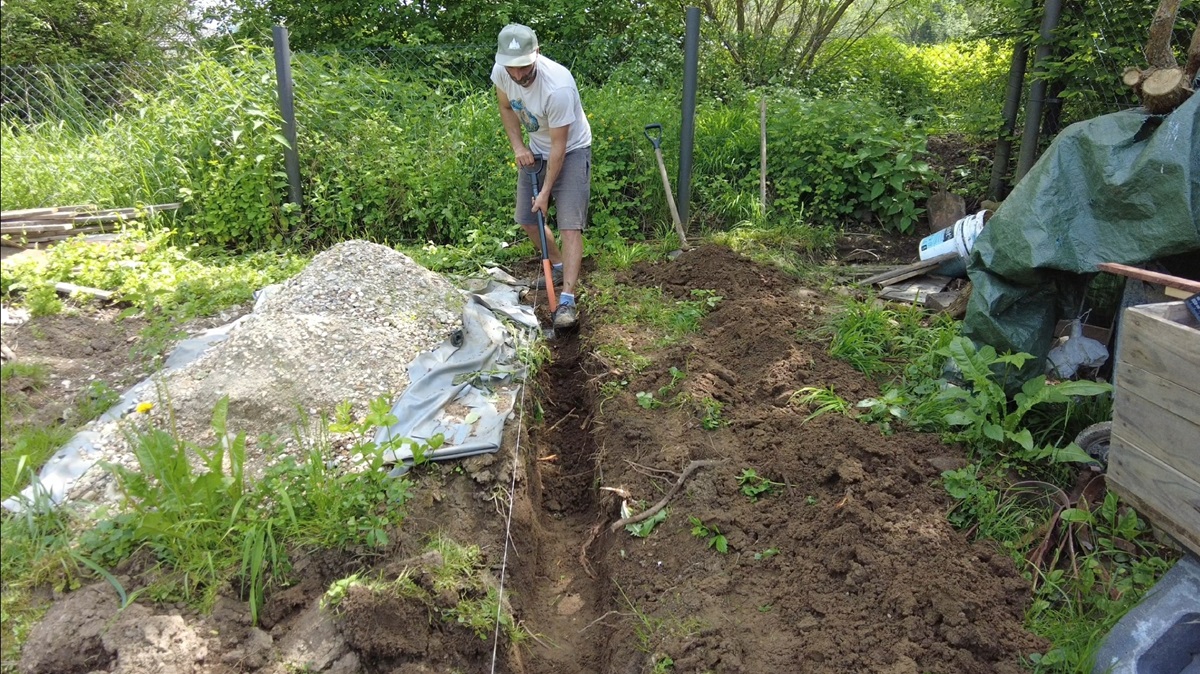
42	225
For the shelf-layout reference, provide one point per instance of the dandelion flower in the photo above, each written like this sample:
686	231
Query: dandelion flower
142	408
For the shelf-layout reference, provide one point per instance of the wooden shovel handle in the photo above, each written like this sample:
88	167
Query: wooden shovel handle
662	170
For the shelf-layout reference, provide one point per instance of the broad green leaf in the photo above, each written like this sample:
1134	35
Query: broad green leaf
1072	453
1023	438
1075	515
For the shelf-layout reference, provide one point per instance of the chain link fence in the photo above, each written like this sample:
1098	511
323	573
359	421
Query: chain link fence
77	95
84	95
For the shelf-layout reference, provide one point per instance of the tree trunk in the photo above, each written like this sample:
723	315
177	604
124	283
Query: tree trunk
1158	47
1193	60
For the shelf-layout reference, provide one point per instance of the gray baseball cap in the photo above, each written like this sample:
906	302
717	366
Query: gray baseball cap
517	46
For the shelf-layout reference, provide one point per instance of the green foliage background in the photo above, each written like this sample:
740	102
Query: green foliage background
399	137
388	156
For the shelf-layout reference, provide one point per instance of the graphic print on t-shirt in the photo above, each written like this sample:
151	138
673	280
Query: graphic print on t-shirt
527	119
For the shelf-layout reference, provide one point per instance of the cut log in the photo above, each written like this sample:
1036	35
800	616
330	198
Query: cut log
1164	86
1164	90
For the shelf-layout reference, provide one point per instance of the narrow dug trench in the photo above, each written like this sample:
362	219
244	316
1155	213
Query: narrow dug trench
563	598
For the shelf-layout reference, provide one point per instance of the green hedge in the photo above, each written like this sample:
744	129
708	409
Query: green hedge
391	157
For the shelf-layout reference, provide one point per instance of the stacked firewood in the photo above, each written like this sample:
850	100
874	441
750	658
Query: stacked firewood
42	225
1164	85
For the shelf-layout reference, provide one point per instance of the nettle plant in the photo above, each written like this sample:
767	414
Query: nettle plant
992	426
710	534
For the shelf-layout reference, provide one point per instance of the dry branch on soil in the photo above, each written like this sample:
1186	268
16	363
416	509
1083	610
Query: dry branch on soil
652	510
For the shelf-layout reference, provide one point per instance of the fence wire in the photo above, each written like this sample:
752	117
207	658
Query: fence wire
81	95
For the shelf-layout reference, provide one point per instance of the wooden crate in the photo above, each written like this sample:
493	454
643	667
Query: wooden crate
1154	456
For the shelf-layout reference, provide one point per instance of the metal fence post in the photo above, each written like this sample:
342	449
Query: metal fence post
1037	92
287	109
687	129
1012	104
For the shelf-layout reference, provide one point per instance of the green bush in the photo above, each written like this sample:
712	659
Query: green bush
391	157
949	87
839	160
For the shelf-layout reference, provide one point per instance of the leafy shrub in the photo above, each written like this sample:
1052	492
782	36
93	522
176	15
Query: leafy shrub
950	86
389	157
840	160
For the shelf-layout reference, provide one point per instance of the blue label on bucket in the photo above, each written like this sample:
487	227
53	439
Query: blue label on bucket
938	240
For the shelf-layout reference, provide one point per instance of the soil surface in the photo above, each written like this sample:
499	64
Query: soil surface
846	563
88	346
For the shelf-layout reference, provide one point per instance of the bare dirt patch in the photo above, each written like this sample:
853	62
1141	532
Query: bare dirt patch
86	346
847	565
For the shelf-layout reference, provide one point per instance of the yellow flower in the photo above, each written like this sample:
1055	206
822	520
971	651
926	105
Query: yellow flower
142	408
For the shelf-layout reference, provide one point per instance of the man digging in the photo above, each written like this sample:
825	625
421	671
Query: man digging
539	94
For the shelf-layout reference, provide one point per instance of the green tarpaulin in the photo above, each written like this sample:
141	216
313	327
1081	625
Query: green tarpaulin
1120	188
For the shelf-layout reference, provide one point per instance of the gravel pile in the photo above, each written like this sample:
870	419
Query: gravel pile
344	329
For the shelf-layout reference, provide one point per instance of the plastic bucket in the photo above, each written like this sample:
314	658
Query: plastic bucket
958	238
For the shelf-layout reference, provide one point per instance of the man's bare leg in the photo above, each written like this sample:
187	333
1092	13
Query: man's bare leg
572	257
555	255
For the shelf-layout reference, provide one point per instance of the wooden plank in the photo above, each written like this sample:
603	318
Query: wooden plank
1160	418
1162	494
66	213
909	270
111	217
33	213
1162	339
27	213
28	227
50	236
1151	276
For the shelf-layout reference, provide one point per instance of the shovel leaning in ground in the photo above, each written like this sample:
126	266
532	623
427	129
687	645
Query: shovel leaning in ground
656	141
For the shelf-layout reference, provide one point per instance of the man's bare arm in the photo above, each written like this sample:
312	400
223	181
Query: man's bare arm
512	128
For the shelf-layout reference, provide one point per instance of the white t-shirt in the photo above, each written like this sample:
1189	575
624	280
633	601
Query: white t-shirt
552	101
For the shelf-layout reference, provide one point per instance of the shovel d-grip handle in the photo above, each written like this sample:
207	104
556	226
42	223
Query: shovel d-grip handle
656	139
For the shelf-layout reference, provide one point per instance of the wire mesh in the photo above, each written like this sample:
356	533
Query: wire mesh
80	95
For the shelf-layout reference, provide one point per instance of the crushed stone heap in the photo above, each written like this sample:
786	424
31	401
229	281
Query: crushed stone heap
343	329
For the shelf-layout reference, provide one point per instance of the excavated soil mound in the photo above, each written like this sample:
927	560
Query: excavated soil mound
849	565
846	565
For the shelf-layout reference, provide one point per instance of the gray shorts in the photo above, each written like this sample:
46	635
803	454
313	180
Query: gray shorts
570	193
